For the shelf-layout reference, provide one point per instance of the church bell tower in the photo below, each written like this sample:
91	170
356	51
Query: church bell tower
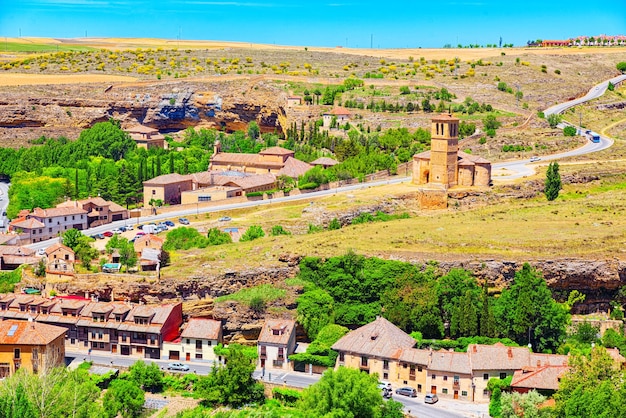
444	148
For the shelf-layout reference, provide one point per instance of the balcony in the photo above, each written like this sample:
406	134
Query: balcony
456	385
263	355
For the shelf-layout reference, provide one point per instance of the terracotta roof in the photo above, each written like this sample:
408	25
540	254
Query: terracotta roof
277	151
143	311
415	356
325	161
446	117
498	357
546	377
114	207
58	246
473	158
28	333
4	238
28	224
285	327
167	179
16	250
449	361
208	329
102	307
251	182
51	212
148	240
538	360
379	338
235	158
294	168
422	155
18	259
340	111
140	129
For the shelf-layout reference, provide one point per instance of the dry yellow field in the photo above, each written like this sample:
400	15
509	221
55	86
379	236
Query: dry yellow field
16	79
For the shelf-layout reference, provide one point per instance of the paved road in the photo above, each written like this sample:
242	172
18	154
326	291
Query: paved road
223	208
521	168
116	360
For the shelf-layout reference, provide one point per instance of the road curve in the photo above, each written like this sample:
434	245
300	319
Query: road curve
524	168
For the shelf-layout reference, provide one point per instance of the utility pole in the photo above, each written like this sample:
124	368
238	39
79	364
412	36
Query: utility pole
372	41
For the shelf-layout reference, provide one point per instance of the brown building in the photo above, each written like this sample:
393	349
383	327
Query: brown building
113	327
146	137
276	342
325	162
167	188
275	160
11	257
60	260
43	224
99	211
340	114
30	345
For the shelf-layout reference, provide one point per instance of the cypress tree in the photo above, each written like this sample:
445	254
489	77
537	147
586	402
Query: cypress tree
553	181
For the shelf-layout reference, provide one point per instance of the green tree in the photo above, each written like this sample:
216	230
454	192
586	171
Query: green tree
621	66
569	131
217	237
253	130
526	309
252	233
553	181
316	309
491	122
554	119
334	224
233	383
279	230
72	238
124	397
345	393
526	405
148	376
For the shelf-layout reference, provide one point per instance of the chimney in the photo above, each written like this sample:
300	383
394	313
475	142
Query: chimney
510	353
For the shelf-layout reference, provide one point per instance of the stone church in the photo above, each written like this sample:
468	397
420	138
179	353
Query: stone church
444	166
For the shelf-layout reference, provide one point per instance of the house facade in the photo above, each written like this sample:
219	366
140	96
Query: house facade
113	327
146	137
199	338
277	341
44	224
99	211
340	114
30	345
60	260
167	188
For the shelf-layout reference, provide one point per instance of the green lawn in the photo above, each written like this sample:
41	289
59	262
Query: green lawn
32	47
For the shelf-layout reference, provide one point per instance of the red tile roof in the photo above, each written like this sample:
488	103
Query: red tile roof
58	246
141	129
52	212
294	168
167	179
27	224
277	151
546	377
498	357
284	327
449	361
28	333
379	338
325	161
208	329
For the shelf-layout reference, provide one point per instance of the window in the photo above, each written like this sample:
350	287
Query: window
16	353
199	356
456	379
503	375
434	376
463	393
198	344
385	364
445	378
419	369
385	376
486	392
485	376
419	388
341	357
363	361
209	343
204	198
281	353
101	345
73	217
49	229
444	391
188	341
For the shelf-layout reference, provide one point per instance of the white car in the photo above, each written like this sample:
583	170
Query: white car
41	251
178	366
534	158
129	228
117	231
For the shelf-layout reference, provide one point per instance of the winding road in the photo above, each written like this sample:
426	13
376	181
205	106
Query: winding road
508	170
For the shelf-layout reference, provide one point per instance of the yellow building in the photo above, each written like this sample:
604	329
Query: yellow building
412	368
276	160
210	194
30	345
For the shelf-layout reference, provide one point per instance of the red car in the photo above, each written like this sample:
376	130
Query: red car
108	234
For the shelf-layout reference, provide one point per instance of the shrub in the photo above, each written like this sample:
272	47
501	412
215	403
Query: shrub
502	86
482	141
334	224
279	230
286	396
314	228
308	186
569	131
554	119
257	304
557	72
217	237
252	233
184	238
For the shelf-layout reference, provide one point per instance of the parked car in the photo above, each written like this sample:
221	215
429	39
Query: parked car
122	228
117	231
108	234
534	158
383	385
129	227
169	223
4	213
407	391
41	251
178	366
140	234
97	236
225	219
163	226
183	221
431	398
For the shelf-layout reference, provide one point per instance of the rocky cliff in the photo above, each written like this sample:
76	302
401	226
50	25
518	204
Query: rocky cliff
167	106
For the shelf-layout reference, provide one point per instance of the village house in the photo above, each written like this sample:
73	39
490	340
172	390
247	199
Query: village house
339	114
146	137
60	261
11	257
412	368
277	341
544	379
210	194
113	327
450	373
374	348
294	101
167	188
31	346
275	160
99	211
43	224
199	338
325	162
149	249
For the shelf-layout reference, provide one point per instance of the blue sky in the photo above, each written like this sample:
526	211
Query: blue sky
351	23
